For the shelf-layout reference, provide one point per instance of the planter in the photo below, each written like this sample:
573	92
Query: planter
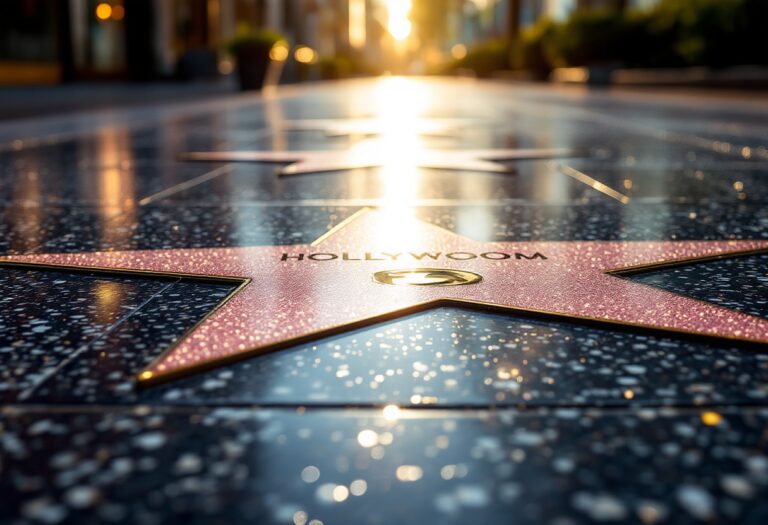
252	65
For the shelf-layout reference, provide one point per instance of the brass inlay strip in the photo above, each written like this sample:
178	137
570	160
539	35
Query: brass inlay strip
593	183
343	224
214	279
639	268
205	177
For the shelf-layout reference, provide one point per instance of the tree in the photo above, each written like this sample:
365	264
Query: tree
513	19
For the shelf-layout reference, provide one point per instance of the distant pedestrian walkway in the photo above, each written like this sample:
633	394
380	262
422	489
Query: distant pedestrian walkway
35	101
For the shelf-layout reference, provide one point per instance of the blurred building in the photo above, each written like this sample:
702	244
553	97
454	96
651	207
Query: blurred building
559	9
50	41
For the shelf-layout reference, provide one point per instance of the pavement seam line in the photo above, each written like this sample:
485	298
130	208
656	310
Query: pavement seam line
205	177
27	393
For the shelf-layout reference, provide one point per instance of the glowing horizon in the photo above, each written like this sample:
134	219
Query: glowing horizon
357	33
398	23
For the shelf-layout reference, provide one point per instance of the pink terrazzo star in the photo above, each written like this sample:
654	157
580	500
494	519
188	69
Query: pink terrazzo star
297	293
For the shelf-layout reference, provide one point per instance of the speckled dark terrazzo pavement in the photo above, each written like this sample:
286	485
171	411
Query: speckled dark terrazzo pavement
279	466
447	416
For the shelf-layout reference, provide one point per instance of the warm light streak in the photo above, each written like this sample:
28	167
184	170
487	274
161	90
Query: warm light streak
398	23
26	218
114	187
398	105
357	32
109	297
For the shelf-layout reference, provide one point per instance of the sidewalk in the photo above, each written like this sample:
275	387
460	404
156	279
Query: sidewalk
33	101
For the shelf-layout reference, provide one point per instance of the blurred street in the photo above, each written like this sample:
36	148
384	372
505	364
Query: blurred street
40	101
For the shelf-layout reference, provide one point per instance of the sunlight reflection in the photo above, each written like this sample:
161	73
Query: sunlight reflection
27	219
357	33
274	114
115	186
398	104
109	295
398	23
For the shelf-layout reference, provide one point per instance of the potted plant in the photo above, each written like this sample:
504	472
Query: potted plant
253	51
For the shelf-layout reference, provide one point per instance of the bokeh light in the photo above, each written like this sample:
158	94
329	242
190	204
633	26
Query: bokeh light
305	55
103	11
279	52
459	51
118	12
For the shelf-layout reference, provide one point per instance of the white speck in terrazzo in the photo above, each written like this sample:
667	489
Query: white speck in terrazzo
652	512
600	507
737	486
12	444
213	384
472	496
697	501
63	460
44	510
509	492
685	430
446	504
635	369
81	496
188	464
527	438
563	465
757	466
150	440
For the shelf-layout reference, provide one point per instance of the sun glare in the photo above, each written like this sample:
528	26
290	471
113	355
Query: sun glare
398	24
357	23
398	104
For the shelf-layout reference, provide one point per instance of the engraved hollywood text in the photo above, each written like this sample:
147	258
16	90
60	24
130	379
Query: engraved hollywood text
414	256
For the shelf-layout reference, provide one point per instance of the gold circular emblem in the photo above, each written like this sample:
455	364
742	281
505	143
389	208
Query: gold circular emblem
426	277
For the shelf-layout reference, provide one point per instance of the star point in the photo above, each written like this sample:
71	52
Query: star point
435	127
318	161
